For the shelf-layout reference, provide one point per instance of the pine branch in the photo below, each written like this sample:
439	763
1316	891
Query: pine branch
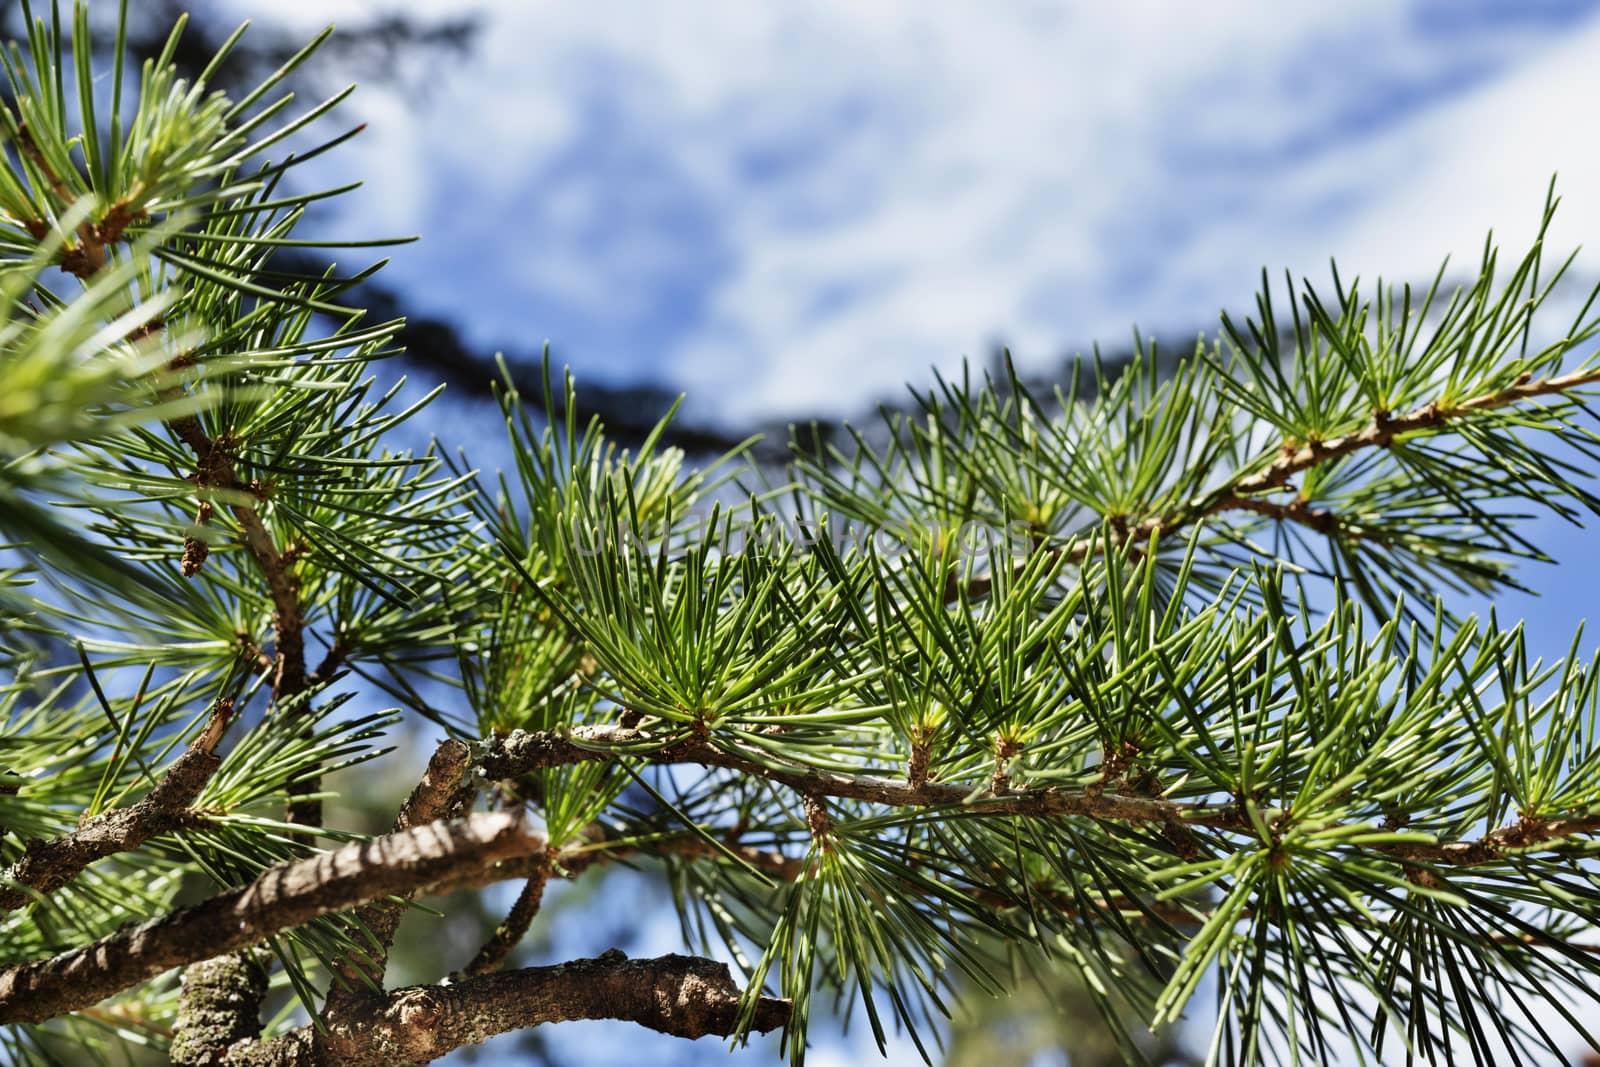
90	255
1243	494
683	996
281	898
216	467
575	860
1384	428
216	471
523	751
331	661
1176	912
1301	511
45	866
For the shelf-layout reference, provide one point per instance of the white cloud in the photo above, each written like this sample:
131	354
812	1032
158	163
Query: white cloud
1483	162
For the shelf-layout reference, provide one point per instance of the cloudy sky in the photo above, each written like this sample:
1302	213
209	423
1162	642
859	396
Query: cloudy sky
787	206
790	207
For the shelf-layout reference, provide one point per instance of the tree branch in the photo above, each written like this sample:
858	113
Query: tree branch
523	751
337	653
216	472
1240	494
1384	428
574	860
683	996
90	255
48	865
281	898
215	465
511	931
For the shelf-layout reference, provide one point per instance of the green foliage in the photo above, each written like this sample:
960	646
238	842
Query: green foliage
1158	684
1073	599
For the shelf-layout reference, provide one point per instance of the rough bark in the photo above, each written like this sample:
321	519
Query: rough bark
683	996
219	1006
282	898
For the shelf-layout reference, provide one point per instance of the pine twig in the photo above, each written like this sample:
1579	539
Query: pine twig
47	865
522	751
494	952
1244	492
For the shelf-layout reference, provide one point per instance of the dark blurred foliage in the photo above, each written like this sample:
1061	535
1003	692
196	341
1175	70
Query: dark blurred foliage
1047	1019
630	412
389	48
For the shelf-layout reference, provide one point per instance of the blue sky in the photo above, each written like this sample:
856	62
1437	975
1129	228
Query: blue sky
786	208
